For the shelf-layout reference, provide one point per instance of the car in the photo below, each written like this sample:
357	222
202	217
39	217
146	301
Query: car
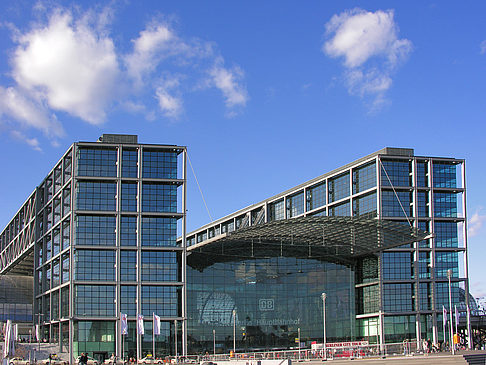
53	359
91	361
117	361
150	360
18	361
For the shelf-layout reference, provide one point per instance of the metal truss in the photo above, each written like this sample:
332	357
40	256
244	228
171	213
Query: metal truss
18	240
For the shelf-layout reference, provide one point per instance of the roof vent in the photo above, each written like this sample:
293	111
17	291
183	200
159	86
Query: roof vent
119	138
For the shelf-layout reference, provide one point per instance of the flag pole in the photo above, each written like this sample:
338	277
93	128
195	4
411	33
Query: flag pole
444	320
456	313
153	337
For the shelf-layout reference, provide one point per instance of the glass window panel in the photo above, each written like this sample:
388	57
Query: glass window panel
392	207
445	261
424	226
159	198
95	230
423	203
442	295
163	300
364	205
93	195
159	164
129	163
316	196
444	175
65	268
364	178
276	210
129	197
398	172
128	265
445	234
95	300
338	187
94	265
422	174
128	231
66	233
128	297
398	297
397	265
160	266
445	204
341	210
97	162
295	205
157	231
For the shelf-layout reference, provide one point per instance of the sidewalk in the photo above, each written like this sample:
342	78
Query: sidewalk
419	359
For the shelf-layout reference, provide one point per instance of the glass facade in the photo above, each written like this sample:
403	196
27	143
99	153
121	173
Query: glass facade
105	222
400	283
271	297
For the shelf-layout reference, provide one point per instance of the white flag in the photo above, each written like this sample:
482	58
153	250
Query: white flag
16	332
156	324
7	334
140	328
37	332
123	324
9	345
457	315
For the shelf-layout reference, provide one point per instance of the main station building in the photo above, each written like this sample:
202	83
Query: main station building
99	238
357	234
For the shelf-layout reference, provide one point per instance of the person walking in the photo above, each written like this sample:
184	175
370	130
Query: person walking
83	359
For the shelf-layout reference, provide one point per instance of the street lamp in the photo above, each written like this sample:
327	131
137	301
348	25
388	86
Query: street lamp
449	275
234	331
214	342
323	296
298	330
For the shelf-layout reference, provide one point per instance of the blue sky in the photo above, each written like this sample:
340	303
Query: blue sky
266	95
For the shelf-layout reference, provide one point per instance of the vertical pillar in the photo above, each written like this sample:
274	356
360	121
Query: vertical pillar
416	257
139	253
118	347
71	255
470	344
435	330
381	328
184	254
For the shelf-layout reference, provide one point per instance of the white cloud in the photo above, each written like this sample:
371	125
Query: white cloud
482	47
32	142
475	223
27	112
368	42
170	105
69	65
147	51
229	82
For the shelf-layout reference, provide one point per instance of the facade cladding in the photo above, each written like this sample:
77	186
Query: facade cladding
100	234
387	297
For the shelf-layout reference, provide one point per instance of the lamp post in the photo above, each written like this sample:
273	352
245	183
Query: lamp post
323	296
298	331
449	275
214	342
39	328
234	331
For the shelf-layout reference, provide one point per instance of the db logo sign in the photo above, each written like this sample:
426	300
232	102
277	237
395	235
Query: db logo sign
266	305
